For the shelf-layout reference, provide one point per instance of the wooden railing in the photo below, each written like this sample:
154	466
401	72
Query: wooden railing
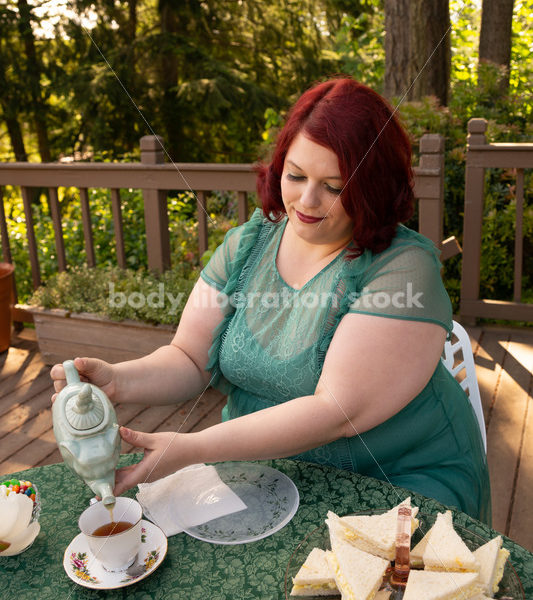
155	178
481	155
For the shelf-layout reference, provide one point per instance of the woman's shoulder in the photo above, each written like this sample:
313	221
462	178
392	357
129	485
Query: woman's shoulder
242	235
254	222
408	250
246	239
410	245
229	257
406	237
253	226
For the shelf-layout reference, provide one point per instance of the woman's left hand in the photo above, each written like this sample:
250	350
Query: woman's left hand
160	450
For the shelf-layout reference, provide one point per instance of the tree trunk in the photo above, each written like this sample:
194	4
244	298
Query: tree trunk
33	73
131	32
9	109
417	48
17	141
168	78
396	47
430	49
495	38
132	20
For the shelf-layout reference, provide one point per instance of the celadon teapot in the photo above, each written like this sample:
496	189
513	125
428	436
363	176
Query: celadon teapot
86	430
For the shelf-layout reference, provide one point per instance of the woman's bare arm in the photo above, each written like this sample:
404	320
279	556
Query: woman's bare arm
374	367
170	374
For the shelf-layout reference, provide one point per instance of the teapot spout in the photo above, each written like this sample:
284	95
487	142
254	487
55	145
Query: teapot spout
105	491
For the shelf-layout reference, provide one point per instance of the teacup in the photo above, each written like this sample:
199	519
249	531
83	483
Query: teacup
117	551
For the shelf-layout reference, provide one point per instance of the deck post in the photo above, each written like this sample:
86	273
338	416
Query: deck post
431	206
473	221
155	209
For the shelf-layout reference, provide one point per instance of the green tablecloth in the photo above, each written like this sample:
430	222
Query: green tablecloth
195	570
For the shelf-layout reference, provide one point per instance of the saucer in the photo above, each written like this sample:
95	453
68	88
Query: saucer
81	566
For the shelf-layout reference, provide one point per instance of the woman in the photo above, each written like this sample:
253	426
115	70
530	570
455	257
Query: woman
322	318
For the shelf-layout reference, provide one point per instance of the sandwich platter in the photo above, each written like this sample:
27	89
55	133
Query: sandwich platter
510	586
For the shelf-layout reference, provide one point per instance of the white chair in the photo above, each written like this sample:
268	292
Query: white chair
469	383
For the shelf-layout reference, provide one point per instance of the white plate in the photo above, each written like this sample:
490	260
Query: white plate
271	499
81	566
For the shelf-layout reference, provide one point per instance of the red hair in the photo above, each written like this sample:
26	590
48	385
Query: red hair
374	155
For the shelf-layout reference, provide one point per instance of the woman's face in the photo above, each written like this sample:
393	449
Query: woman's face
310	188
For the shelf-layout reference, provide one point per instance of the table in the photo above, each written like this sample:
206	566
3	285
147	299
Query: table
195	570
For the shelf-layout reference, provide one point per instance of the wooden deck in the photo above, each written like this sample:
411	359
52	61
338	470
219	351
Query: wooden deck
504	359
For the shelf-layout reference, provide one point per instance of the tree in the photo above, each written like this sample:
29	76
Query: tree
417	48
174	20
33	80
11	104
495	41
202	74
430	46
397	48
11	120
96	74
222	64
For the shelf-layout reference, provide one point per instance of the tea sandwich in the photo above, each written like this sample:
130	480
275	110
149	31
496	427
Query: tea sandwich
315	577
375	534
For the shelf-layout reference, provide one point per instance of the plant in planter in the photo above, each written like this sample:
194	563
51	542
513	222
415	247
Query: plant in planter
110	313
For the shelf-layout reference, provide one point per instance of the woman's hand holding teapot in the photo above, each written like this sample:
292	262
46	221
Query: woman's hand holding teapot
92	370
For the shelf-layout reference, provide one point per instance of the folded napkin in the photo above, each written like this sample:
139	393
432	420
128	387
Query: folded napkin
188	497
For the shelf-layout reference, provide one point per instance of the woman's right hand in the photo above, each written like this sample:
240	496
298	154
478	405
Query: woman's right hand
92	370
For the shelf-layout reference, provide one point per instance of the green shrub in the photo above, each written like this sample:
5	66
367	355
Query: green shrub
183	231
133	293
120	293
101	225
507	122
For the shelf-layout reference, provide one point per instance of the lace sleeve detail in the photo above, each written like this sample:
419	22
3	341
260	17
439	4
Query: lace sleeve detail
403	282
408	286
218	270
231	262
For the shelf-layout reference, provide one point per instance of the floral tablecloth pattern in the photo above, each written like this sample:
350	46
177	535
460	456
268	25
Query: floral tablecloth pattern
195	570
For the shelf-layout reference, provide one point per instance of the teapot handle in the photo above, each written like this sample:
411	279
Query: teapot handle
71	372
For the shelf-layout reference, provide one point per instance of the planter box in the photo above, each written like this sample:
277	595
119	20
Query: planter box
63	335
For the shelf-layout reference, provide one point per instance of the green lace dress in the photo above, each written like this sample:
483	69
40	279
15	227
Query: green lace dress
271	345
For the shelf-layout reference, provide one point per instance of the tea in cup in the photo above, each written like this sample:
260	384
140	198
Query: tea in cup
113	535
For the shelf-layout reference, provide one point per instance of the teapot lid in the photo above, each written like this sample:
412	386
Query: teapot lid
84	410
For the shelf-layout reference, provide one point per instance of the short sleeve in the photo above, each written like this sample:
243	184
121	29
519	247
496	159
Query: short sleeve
216	272
237	243
406	285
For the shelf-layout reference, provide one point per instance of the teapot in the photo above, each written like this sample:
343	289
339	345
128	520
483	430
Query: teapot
86	431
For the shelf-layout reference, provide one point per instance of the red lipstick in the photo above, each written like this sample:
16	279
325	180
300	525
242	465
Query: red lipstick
308	219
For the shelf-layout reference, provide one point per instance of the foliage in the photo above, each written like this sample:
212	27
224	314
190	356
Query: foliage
498	250
101	224
183	230
509	120
358	45
201	74
504	125
119	293
521	73
215	79
466	19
